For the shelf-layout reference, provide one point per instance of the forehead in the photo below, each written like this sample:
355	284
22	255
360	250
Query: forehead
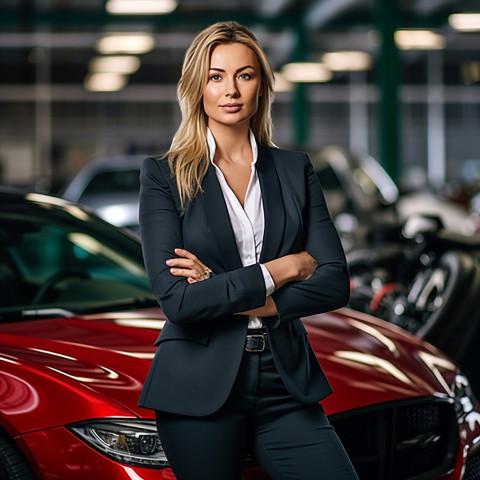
232	55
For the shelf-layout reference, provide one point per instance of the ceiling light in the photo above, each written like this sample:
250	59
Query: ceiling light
125	64
419	40
306	72
470	72
105	82
282	84
134	43
140	7
345	61
465	22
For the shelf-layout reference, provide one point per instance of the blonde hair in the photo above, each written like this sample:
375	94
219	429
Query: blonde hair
188	154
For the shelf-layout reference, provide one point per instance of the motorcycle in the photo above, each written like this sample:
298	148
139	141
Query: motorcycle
426	280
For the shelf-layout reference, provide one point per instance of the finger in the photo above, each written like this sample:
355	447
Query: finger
187	263
191	275
199	277
181	263
181	272
181	252
183	268
190	263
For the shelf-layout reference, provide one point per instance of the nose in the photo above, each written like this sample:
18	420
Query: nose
232	90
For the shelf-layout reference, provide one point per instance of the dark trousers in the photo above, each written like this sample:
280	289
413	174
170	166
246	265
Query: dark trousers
291	440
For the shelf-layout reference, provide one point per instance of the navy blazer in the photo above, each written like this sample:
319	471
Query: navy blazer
201	345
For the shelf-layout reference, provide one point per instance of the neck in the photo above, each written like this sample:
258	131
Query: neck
230	142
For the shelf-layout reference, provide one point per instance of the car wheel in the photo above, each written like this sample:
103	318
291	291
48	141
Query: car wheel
13	465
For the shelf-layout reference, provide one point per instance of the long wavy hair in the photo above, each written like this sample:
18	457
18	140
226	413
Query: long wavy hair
188	154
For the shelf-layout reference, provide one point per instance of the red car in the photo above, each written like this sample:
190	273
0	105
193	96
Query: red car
77	326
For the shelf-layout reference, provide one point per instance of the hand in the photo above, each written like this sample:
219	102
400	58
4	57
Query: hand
306	265
290	268
268	310
187	265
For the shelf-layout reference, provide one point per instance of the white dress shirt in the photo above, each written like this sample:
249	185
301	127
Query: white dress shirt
248	222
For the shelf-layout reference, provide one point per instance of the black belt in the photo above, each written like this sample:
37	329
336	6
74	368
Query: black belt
256	341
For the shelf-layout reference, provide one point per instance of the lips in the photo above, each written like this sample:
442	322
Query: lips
231	107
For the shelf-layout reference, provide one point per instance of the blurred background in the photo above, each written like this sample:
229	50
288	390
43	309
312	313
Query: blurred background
396	79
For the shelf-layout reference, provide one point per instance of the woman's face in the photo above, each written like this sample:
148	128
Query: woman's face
233	87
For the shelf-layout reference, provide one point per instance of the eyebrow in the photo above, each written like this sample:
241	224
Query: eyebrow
218	69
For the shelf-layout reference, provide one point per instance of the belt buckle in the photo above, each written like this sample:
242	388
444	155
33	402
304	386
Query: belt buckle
256	339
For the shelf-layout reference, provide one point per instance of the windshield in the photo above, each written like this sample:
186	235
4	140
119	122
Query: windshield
47	261
109	182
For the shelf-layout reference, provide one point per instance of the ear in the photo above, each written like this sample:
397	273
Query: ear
260	90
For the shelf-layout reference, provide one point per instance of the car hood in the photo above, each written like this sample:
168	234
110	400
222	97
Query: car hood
121	209
105	358
368	361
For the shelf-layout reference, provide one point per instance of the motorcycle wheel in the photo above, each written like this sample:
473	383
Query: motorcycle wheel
450	294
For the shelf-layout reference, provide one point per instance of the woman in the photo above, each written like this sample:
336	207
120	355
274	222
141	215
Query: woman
238	244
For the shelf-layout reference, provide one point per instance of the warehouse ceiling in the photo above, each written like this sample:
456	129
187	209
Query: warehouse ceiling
62	35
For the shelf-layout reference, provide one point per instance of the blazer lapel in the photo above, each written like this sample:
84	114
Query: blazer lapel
272	205
219	220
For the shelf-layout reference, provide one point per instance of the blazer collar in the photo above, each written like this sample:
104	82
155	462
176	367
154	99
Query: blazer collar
273	206
219	220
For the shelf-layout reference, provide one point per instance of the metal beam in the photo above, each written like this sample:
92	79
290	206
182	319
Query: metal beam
323	11
94	18
427	7
436	128
271	8
170	40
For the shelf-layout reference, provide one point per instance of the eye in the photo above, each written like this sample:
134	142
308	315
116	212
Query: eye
245	76
215	77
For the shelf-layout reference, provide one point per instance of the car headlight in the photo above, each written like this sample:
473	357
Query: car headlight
463	394
133	442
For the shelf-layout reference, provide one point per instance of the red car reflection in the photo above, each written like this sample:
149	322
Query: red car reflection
76	345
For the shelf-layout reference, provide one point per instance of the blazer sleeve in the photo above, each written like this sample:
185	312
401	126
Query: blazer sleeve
329	287
222	295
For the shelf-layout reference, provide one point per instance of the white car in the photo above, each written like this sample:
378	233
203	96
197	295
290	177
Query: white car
110	187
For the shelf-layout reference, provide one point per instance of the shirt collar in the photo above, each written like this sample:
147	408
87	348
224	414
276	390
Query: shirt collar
212	146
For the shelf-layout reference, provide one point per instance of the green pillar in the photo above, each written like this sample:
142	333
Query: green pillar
300	108
301	121
388	88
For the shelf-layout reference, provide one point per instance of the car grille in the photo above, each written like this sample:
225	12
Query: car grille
472	470
401	440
